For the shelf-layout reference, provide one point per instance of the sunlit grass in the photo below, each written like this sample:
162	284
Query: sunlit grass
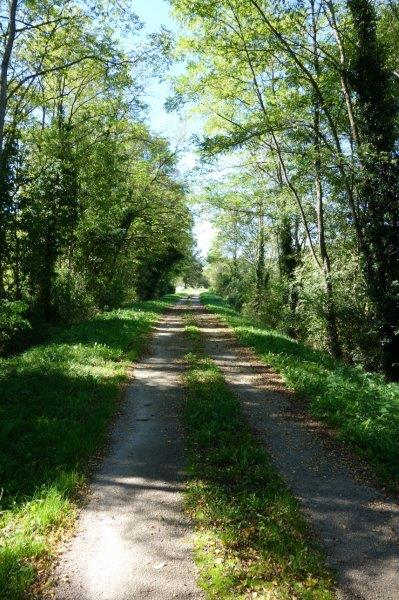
251	540
57	400
360	405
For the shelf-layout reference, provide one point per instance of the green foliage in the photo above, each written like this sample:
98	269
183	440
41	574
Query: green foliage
192	272
251	537
70	295
15	327
303	96
225	280
92	214
56	403
377	181
363	408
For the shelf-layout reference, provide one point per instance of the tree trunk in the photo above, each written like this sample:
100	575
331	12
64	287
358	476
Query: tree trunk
5	63
235	243
49	258
2	286
333	342
288	261
260	266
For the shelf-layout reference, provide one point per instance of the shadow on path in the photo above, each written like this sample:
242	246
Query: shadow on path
133	540
357	526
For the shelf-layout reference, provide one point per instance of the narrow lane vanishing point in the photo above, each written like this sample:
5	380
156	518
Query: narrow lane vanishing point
133	541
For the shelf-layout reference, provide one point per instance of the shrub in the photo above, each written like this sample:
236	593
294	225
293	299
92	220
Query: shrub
15	328
71	300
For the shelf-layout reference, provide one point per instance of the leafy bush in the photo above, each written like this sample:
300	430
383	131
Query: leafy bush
71	299
15	328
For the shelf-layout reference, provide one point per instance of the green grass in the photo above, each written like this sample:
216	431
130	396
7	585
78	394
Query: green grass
362	407
251	540
192	332
57	400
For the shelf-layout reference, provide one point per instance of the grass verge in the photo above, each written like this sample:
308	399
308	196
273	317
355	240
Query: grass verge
57	400
362	407
251	541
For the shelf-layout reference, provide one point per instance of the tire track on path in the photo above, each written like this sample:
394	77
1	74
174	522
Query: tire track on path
355	523
133	540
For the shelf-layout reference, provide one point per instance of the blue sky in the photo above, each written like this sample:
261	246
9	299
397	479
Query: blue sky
177	128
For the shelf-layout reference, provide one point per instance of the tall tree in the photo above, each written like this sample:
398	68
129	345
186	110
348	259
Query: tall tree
377	112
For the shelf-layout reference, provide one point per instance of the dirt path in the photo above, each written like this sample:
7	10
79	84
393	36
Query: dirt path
133	541
357	526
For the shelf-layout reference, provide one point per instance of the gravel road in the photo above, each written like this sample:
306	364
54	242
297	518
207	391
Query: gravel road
133	540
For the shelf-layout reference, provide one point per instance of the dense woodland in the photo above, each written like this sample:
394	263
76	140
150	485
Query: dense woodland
92	214
301	101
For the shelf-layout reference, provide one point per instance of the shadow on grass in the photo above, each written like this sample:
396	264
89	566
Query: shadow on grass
58	398
56	402
252	538
361	405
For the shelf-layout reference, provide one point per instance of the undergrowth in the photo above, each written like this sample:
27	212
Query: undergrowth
57	400
251	540
360	405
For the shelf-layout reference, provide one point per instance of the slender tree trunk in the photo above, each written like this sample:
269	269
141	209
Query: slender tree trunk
2	286
4	216
47	276
235	243
17	269
288	261
260	266
5	63
333	342
343	74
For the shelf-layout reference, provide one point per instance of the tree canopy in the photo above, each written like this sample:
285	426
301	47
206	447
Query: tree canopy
305	92
92	211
